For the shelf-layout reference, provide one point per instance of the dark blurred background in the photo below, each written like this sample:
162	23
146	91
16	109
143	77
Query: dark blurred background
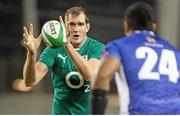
106	18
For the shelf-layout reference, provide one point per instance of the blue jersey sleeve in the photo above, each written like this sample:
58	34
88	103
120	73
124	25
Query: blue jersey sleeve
112	49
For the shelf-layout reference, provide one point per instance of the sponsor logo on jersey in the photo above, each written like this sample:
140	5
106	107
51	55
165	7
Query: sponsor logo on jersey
62	57
152	42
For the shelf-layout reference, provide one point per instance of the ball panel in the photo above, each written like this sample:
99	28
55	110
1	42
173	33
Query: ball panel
52	42
46	41
52	27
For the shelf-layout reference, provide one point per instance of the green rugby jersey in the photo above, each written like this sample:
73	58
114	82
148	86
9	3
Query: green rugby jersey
71	90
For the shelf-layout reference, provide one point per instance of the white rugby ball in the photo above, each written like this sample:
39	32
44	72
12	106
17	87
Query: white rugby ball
54	34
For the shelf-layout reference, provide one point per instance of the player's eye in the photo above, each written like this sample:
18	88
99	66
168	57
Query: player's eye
72	24
81	23
77	24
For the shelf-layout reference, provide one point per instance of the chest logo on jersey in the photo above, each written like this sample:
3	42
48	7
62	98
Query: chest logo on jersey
63	58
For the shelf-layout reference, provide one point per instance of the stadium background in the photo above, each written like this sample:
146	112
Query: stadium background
106	18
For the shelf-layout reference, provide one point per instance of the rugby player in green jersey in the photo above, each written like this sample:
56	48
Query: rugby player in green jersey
72	67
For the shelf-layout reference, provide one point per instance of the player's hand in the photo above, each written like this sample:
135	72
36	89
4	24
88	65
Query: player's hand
32	44
66	24
19	85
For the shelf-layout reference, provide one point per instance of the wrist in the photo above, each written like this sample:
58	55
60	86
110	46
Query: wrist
98	101
68	46
30	54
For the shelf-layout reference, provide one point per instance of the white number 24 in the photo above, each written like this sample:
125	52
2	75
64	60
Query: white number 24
167	64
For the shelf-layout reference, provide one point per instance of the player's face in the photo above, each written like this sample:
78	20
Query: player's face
77	29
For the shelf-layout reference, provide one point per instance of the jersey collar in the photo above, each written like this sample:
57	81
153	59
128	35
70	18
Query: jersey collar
144	31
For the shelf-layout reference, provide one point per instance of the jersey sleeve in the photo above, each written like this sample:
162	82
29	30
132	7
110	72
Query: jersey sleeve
97	50
47	57
112	49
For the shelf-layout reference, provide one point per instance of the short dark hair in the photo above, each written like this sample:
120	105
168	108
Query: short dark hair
76	10
139	16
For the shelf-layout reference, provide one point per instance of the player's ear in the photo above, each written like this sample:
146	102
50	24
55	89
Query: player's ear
87	27
126	28
154	27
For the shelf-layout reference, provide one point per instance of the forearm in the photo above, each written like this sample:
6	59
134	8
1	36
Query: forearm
81	63
29	69
102	83
106	72
100	88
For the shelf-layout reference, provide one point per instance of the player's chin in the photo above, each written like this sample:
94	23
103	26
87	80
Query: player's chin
77	41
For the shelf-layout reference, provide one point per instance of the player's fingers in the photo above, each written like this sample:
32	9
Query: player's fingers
31	29
25	37
66	25
25	30
66	22
61	20
28	47
26	44
40	38
65	19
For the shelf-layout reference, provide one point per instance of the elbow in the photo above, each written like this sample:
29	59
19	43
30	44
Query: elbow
29	84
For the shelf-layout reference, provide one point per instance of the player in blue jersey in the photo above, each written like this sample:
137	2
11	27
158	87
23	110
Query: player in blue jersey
150	65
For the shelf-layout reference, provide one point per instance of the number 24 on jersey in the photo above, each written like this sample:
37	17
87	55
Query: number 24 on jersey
167	64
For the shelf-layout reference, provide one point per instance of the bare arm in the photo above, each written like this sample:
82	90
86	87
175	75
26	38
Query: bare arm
33	72
109	66
89	68
19	85
101	84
